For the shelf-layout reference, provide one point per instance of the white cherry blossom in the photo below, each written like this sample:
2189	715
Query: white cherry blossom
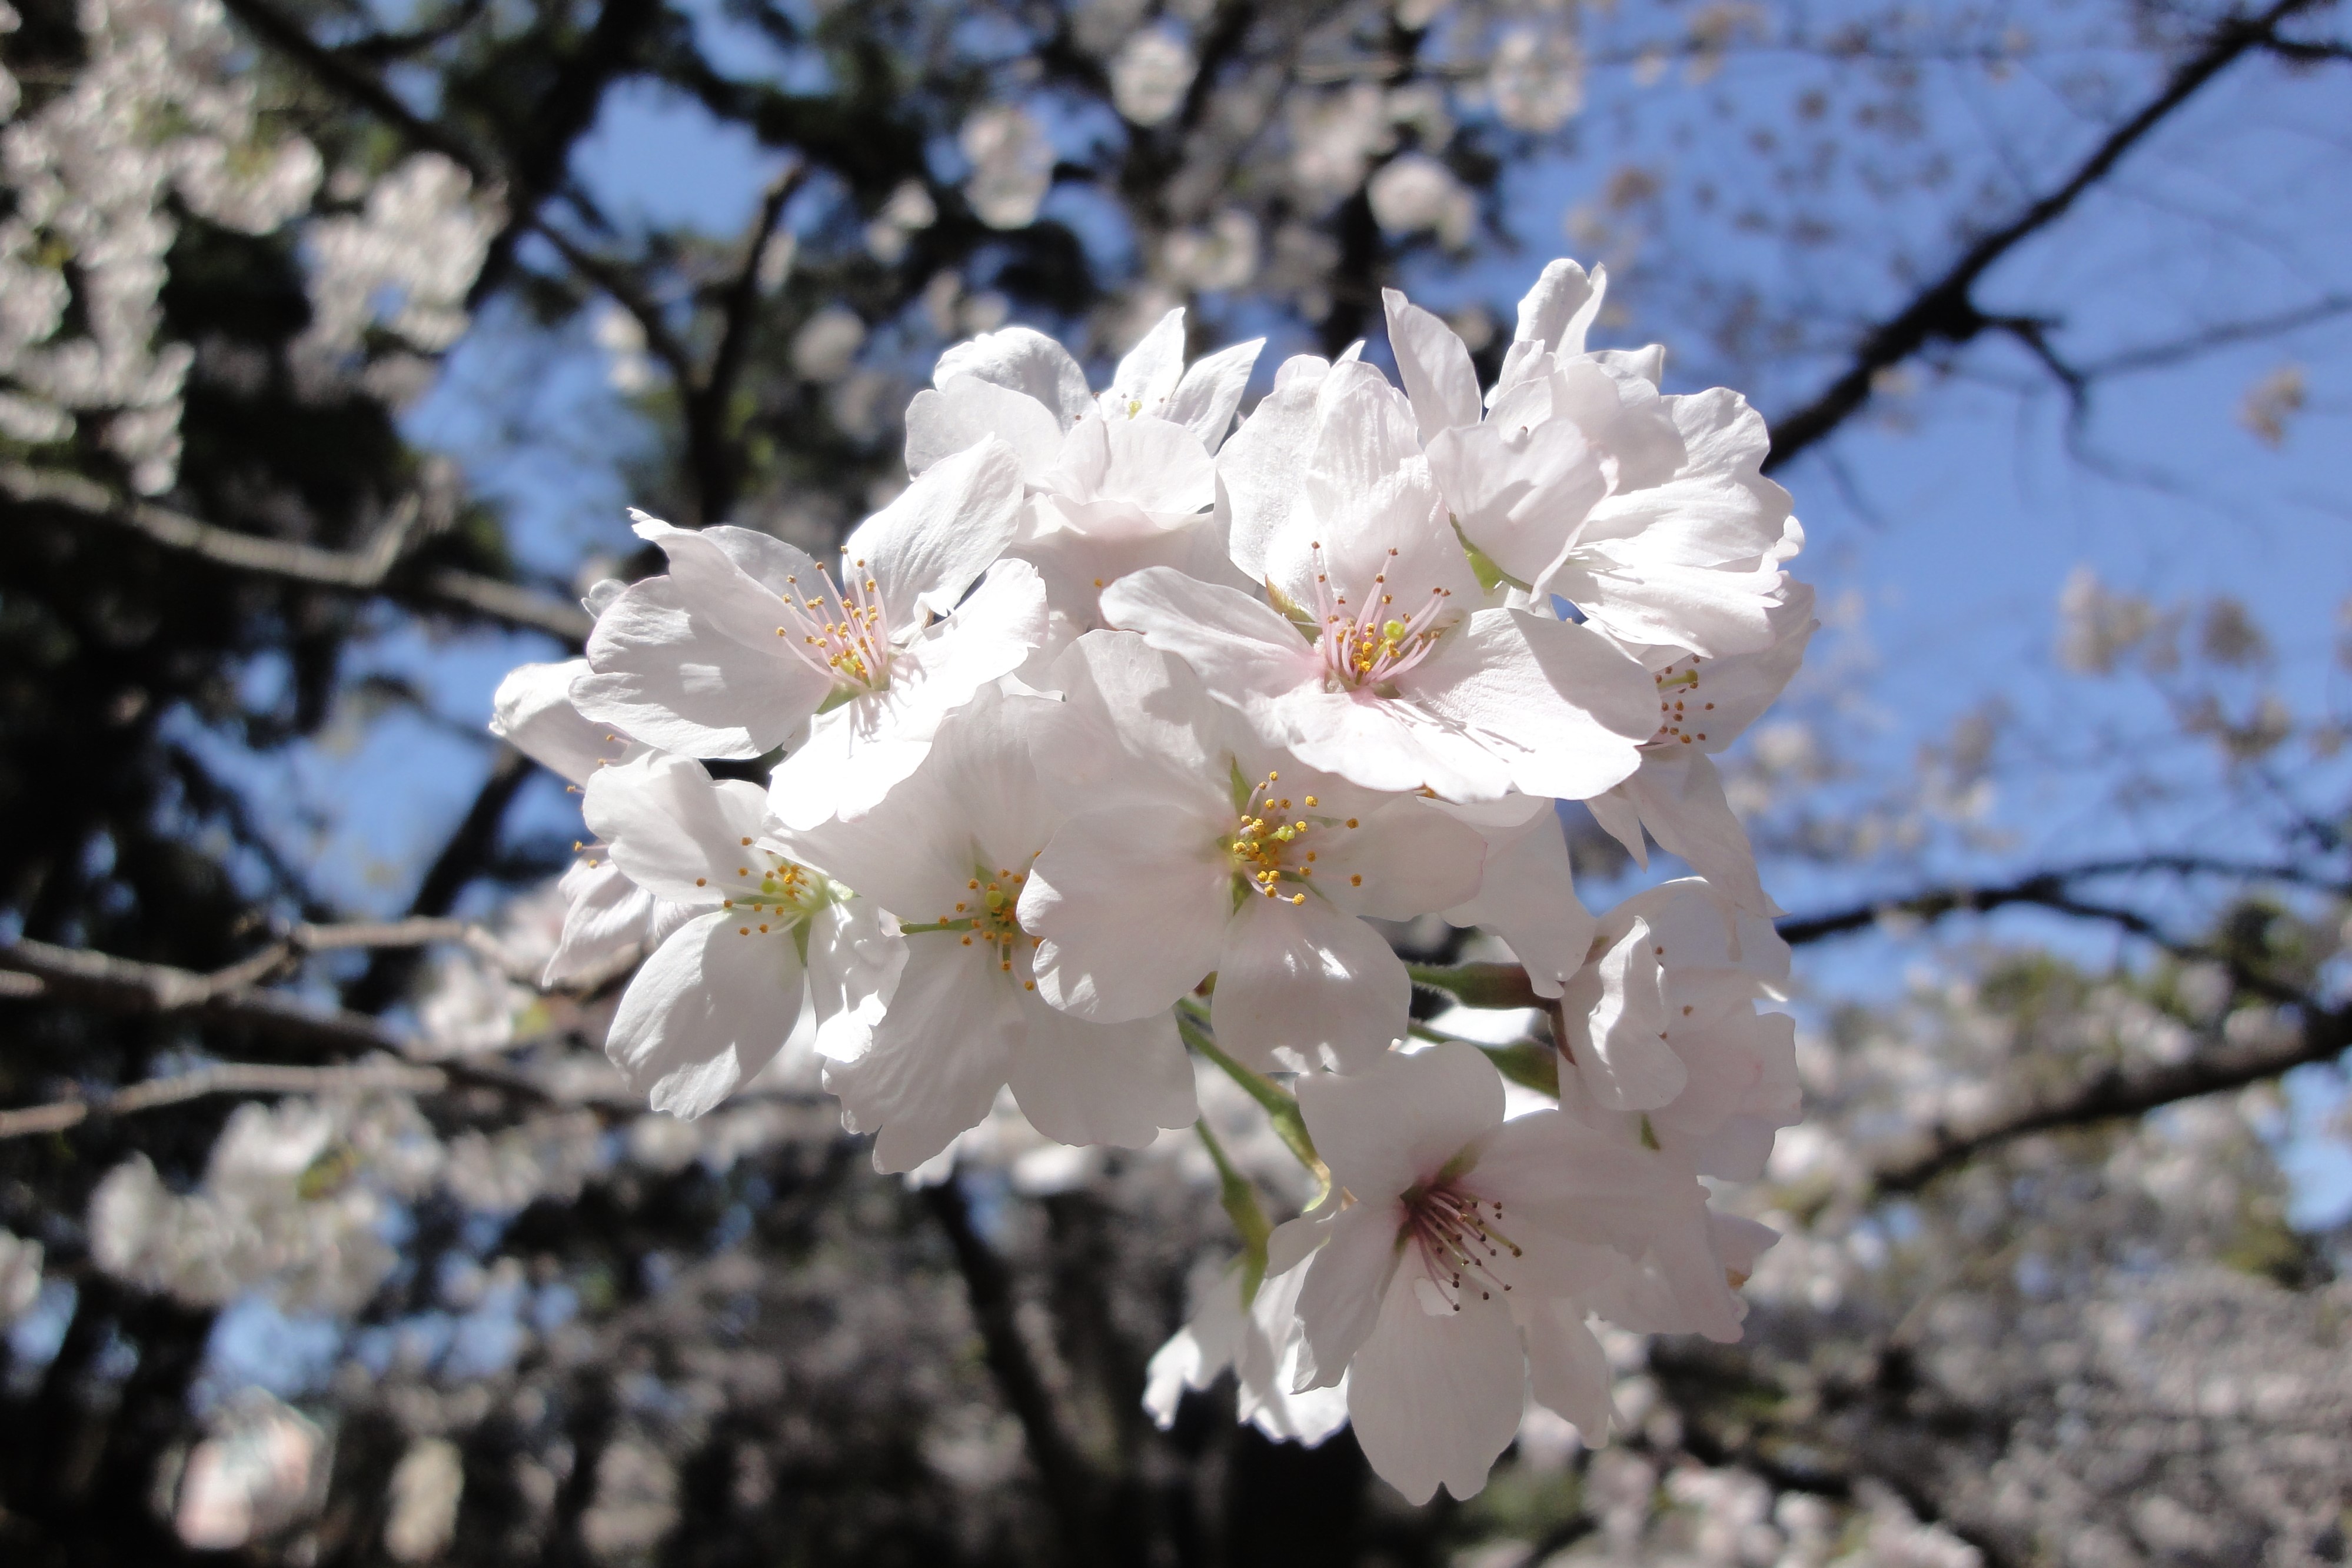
1705	704
1376	661
1459	1272
748	644
948	853
1260	1343
716	1001
1650	513
1663	1030
607	915
1191	846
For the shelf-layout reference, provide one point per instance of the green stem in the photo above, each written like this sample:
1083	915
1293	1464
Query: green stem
1281	1108
1240	1200
1478	985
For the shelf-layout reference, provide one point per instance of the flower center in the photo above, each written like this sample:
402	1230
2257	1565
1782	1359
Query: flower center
845	635
1373	642
780	893
1269	846
1459	1237
986	916
1682	715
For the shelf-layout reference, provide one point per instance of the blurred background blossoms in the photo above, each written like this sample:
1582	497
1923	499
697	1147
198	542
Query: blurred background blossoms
335	341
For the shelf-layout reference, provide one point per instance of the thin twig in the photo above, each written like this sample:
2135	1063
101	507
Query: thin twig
1945	311
369	571
224	1078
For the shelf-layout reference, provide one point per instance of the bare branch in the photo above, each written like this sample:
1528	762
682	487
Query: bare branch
371	571
1070	1484
2120	1089
110	984
2050	889
224	1078
712	453
2156	356
1945	310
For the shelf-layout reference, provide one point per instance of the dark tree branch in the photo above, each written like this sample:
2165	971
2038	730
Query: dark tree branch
110	984
2120	1089
1070	1483
345	76
2049	889
373	571
2156	356
712	453
1946	309
224	1078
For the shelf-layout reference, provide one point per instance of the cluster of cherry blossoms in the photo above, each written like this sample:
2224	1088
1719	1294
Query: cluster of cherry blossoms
1108	743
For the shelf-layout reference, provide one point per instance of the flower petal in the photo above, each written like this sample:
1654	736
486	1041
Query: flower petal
940	1054
1242	649
706	1012
661	674
533	712
1339	1301
966	411
1025	360
1384	1130
928	547
1206	400
1119	1084
1562	706
1308	979
1433	364
1133	909
1436	1399
675	831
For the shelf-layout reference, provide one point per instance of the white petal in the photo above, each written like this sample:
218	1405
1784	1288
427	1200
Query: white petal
1435	1400
1621	1048
1258	470
1132	906
607	915
1194	1356
1119	1083
1520	494
675	831
1383	743
1559	704
1308	979
1559	309
1147	375
533	712
1206	400
1681	801
1157	465
1433	364
1413	857
1383	1130
1339	1301
928	547
664	675
706	1012
1528	892
1242	649
968	410
855	957
938	1056
1568	1368
1025	360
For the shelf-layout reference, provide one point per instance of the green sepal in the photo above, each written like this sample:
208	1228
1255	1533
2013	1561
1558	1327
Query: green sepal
1297	615
1241	1206
1482	565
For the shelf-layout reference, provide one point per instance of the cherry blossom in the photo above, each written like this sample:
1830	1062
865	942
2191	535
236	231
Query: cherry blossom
1190	847
748	644
1458	1272
1404	681
948	853
1663	1030
717	998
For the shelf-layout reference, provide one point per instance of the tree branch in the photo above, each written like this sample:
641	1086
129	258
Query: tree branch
110	984
224	1078
713	458
372	571
1070	1483
1946	309
2119	1088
